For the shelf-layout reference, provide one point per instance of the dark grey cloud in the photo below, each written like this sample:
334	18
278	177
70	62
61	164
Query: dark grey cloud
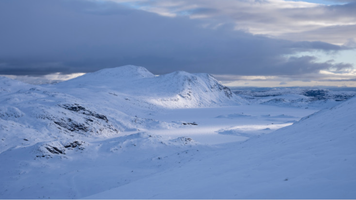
39	37
294	20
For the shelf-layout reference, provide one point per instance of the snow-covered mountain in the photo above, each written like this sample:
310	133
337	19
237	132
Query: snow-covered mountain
138	85
101	104
126	133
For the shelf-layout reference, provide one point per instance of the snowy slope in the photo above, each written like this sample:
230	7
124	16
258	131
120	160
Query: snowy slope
8	85
314	158
36	114
77	168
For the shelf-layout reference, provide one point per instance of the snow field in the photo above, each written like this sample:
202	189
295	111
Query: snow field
126	133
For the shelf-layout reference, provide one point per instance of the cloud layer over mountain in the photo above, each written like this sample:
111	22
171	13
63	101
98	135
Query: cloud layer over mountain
43	37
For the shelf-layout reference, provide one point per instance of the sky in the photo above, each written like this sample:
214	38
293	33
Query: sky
272	43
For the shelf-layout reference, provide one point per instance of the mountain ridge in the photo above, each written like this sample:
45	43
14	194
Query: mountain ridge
178	89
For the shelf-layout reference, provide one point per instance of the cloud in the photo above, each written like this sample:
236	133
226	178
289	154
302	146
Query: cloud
342	78
42	37
292	20
46	79
336	34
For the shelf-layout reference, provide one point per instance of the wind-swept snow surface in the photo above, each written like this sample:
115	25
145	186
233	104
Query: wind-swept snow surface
314	158
126	133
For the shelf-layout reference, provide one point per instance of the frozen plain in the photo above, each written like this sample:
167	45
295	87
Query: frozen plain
120	133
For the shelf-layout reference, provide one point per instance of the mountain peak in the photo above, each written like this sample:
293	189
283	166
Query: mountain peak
110	76
127	71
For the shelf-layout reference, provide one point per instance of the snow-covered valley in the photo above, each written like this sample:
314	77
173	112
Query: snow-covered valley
126	133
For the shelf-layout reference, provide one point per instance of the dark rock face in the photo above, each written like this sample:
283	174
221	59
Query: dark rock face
188	123
319	94
71	125
316	94
55	150
227	91
187	140
75	144
58	149
84	121
342	97
75	107
80	109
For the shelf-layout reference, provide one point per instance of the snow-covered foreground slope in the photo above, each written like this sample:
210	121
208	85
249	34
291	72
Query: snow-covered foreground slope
37	114
126	133
314	158
80	168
